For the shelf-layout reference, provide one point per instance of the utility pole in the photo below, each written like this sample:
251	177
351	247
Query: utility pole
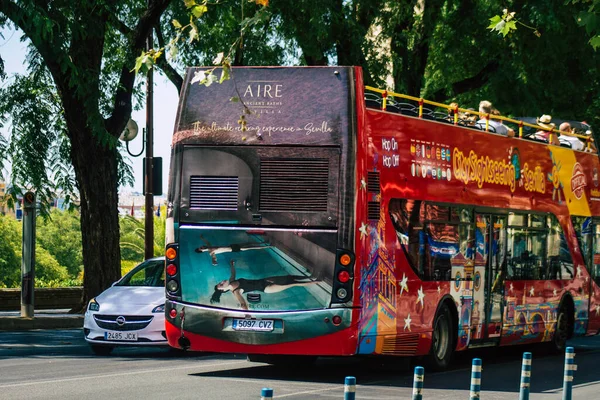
149	194
28	256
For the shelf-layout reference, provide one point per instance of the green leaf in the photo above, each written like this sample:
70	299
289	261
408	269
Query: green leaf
234	99
595	42
176	24
494	21
189	3
199	76
225	73
198	11
508	27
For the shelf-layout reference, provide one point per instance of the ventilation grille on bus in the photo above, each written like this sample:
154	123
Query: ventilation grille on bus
294	184
373	210
373	181
404	345
214	192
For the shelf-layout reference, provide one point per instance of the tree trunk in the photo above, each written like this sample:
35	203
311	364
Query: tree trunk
96	173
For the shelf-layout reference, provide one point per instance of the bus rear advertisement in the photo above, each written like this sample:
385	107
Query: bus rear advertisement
307	217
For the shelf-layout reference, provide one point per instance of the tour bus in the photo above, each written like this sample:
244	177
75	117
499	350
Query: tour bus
310	215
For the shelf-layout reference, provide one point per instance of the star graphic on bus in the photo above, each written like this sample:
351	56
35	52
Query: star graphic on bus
421	296
407	322
554	292
531	291
579	271
403	284
511	287
597	309
363	184
363	230
554	177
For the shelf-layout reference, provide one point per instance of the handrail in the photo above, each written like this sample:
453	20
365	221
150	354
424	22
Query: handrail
487	117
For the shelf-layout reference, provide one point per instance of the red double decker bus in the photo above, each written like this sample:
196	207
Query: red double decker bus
306	220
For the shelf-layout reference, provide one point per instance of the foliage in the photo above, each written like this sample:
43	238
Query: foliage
60	235
132	237
10	261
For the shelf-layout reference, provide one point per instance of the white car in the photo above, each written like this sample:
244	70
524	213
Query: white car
130	312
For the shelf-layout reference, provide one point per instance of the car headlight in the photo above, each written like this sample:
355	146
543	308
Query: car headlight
159	309
94	306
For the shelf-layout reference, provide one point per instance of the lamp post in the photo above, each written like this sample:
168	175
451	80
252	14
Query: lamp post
149	192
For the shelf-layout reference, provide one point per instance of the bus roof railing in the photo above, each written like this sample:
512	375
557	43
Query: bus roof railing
456	110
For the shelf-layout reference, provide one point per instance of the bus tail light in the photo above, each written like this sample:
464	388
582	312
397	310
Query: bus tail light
336	320
344	276
173	313
173	285
171	253
171	269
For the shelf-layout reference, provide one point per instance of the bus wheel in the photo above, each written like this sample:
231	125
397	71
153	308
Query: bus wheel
442	341
561	332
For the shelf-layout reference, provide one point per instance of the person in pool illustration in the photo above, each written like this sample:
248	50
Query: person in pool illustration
271	284
232	248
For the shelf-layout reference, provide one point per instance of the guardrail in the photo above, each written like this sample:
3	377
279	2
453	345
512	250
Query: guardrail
44	298
475	389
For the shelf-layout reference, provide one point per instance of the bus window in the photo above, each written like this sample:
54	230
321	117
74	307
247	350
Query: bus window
560	262
430	236
588	237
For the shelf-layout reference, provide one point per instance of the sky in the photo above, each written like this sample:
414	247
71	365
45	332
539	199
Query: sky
165	107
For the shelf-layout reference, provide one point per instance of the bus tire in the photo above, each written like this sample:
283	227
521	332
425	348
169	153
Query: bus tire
442	341
562	330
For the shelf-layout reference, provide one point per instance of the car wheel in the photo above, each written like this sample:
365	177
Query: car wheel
442	341
102	350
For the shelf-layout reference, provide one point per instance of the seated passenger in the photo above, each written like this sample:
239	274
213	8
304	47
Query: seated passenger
573	141
592	146
546	132
510	131
485	107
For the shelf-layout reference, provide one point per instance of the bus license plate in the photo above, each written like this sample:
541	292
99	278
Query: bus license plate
121	336
262	325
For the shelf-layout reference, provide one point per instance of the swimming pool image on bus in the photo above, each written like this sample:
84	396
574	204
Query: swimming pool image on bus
241	271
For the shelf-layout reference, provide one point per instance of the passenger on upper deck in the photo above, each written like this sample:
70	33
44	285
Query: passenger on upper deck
592	146
485	107
511	132
573	141
544	134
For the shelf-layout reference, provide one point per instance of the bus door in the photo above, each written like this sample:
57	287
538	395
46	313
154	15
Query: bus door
488	285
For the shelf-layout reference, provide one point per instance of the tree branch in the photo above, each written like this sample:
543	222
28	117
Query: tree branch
468	84
137	41
164	65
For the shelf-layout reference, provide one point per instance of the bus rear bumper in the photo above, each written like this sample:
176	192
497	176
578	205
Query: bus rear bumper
295	333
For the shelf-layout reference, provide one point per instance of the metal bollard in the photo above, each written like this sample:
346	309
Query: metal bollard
266	394
418	384
476	379
525	376
570	369
350	388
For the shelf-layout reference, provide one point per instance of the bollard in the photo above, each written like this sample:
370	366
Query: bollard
266	394
349	388
570	368
525	376
418	384
476	379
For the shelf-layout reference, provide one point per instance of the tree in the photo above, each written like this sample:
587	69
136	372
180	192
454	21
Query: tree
75	103
60	235
79	45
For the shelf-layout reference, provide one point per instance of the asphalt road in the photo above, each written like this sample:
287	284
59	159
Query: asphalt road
57	364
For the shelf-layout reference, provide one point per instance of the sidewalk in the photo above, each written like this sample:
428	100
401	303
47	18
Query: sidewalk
42	319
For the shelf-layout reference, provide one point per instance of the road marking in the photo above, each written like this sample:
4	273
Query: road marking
145	371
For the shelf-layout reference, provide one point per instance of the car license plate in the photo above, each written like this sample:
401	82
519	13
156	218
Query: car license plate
121	336
261	325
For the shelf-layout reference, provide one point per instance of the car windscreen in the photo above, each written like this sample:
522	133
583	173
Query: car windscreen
149	273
